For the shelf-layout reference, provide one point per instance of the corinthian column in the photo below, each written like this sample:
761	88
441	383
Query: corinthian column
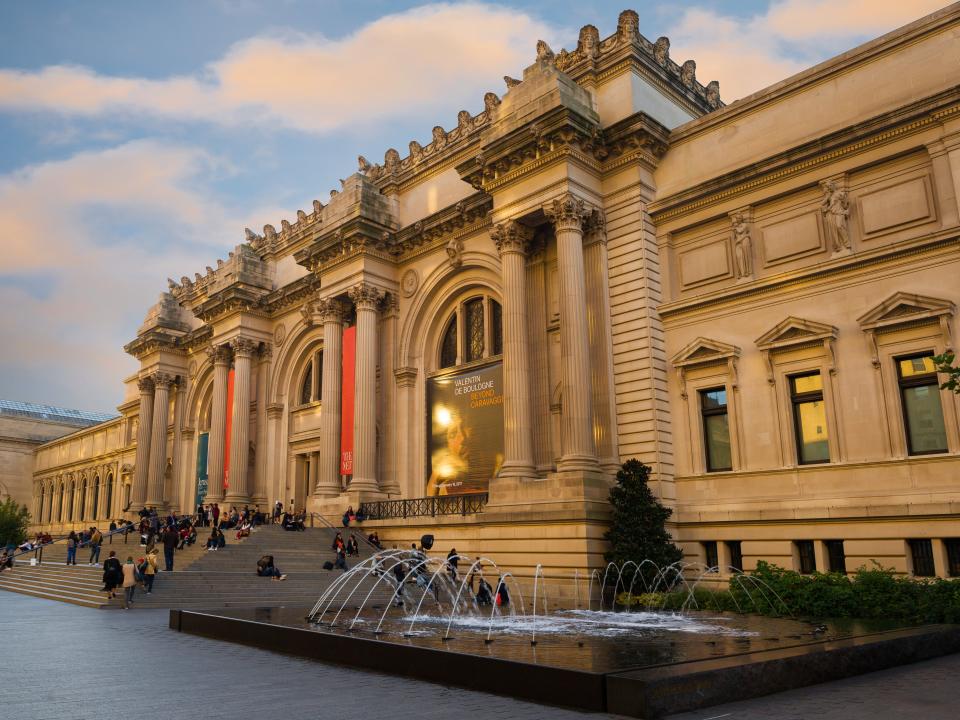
367	298
579	451
239	492
260	466
389	482
328	475
513	240
141	462
218	423
158	441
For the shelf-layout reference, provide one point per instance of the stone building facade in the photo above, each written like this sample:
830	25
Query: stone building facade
744	297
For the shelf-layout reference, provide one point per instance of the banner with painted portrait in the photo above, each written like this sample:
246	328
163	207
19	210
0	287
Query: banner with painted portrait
466	430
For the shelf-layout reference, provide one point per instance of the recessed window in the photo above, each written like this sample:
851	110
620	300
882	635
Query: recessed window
735	549
835	556
474	332
311	387
809	418
922	411
953	556
710	553
716	429
921	553
808	560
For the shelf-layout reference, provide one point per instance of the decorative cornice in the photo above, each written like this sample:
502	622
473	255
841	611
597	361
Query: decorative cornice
155	339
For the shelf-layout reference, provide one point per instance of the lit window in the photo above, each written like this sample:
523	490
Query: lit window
716	429
922	412
809	418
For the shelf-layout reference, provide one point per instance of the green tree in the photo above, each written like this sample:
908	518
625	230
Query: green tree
946	367
14	520
637	526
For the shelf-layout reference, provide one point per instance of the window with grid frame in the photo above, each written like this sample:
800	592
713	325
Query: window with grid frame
710	553
473	332
921	554
807	557
953	556
735	548
809	418
716	429
836	556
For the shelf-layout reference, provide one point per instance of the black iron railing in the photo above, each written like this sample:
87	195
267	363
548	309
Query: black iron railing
424	507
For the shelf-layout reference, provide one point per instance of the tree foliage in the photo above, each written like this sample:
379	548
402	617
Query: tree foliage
14	520
946	367
637	525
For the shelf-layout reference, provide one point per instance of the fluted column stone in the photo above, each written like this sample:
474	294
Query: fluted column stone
158	439
513	240
327	481
260	466
367	299
218	423
567	214
141	463
388	480
239	490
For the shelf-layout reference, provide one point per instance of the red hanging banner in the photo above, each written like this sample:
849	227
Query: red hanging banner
226	442
346	402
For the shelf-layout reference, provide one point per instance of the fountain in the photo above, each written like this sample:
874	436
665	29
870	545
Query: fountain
405	612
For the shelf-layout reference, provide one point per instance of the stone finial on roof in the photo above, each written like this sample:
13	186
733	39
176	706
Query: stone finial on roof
588	44
544	53
511	82
661	50
628	26
688	73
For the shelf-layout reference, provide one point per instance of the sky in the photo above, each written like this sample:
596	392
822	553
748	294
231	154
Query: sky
138	139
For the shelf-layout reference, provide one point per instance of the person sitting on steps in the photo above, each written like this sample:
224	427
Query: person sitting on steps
266	568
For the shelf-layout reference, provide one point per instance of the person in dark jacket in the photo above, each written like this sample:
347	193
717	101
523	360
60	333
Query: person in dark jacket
266	568
503	597
452	563
171	538
112	575
72	542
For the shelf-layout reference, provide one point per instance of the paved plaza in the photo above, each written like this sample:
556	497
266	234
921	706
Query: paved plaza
87	664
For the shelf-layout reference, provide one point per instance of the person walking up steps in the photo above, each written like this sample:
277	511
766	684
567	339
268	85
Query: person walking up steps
112	575
96	540
171	538
129	582
72	548
150	570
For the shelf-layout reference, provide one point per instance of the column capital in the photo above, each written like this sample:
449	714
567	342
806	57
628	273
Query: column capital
243	347
511	237
567	212
331	310
265	353
595	227
146	385
366	296
391	305
163	380
219	354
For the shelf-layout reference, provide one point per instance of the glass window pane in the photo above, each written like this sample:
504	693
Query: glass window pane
473	311
497	319
448	347
924	416
736	555
922	556
717	436
916	366
808	561
320	376
710	553
306	389
807	383
714	398
812	432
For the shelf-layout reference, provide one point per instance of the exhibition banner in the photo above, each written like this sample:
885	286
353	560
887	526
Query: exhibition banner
203	443
346	401
466	430
226	441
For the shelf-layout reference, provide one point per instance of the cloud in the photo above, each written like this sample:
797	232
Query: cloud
748	54
428	59
87	243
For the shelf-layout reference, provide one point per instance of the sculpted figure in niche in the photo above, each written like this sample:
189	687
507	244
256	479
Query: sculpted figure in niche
836	209
742	247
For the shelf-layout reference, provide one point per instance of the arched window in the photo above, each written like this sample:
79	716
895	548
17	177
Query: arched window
108	506
66	503
448	346
95	507
311	387
83	500
472	333
43	496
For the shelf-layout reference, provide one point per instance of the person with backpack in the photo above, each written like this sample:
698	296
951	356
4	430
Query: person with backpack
96	539
148	570
72	548
112	575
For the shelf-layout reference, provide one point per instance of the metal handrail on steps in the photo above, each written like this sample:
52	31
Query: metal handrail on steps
327	524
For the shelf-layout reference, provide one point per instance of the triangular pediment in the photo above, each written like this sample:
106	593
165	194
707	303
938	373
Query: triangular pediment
794	331
704	350
901	308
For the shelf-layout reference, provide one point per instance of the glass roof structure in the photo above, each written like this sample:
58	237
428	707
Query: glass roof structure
80	418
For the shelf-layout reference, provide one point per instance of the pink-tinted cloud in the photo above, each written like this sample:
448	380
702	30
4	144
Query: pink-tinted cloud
428	59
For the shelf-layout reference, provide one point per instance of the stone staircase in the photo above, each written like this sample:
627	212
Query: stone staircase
201	579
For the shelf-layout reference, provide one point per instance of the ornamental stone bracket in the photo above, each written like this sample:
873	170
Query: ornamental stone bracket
903	310
702	352
794	333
